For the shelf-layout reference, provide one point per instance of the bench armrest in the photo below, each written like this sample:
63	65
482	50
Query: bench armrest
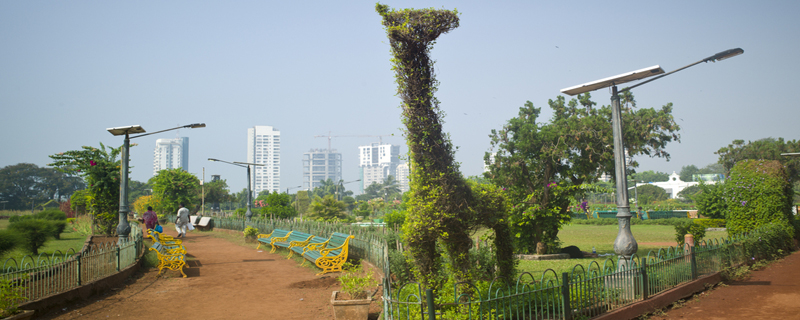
325	252
314	246
281	239
264	235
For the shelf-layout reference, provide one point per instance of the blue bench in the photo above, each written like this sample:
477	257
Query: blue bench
293	239
332	256
315	243
267	238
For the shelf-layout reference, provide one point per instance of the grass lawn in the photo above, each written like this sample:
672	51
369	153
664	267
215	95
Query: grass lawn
649	237
69	239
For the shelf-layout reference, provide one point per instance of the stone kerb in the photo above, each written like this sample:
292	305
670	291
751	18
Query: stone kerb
557	256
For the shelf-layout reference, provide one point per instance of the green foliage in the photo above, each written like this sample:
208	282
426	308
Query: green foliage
80	201
356	281
11	294
763	149
101	170
650	176
217	191
711	200
650	193
25	185
710	223
682	229
8	241
33	233
278	206
394	219
688	193
171	187
52	214
758	193
634	221
687	172
240	212
250	232
326	209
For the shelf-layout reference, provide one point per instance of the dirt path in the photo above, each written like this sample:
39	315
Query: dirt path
226	281
772	293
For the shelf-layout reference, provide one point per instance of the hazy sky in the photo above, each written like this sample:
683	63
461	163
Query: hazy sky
71	69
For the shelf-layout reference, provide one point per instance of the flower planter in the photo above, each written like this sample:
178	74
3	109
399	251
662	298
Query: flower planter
350	309
25	314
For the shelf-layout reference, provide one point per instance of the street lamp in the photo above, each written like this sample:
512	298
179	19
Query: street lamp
123	228
625	245
249	213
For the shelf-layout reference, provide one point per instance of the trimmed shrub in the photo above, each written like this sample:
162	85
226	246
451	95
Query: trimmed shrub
33	233
682	229
8	241
758	193
52	214
711	223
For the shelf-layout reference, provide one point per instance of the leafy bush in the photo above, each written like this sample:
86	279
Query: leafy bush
8	241
634	221
711	200
394	219
682	229
250	232
711	223
52	214
356	281
758	193
11	295
33	233
239	213
57	228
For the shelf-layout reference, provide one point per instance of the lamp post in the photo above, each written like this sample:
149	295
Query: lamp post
625	245
123	228
249	213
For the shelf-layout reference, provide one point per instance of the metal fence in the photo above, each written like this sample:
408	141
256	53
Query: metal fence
584	292
60	272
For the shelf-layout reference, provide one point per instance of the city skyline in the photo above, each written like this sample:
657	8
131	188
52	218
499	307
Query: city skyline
82	67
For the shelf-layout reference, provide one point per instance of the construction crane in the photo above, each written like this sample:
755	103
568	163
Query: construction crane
380	137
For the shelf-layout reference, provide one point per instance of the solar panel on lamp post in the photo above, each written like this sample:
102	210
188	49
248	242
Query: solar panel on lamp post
123	228
249	213
625	244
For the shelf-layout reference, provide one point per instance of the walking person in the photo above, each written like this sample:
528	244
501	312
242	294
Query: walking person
182	222
150	218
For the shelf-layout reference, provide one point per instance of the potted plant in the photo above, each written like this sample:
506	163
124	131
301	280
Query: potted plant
250	234
353	301
10	297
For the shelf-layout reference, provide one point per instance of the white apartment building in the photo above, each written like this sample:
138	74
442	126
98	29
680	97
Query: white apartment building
402	176
264	147
376	162
171	154
320	165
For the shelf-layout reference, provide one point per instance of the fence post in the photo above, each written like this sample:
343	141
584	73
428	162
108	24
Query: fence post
565	296
78	258
693	262
117	254
645	282
431	308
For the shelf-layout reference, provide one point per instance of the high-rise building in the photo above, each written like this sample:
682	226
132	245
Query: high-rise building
171	154
377	161
402	176
320	165
264	147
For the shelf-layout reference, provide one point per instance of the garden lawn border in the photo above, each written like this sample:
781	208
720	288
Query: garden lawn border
663	299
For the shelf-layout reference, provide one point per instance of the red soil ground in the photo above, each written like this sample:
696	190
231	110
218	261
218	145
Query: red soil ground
226	281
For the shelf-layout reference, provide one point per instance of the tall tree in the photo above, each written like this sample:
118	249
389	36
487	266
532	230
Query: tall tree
763	149
171	187
543	165
26	184
277	205
217	191
101	170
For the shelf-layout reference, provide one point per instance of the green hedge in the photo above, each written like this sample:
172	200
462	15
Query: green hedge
758	193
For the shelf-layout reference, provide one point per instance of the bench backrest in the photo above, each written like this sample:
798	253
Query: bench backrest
278	233
337	240
204	221
298	236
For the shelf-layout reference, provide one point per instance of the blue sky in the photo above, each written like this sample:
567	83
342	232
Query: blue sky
69	70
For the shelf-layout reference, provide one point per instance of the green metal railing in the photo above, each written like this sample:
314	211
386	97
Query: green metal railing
45	276
584	292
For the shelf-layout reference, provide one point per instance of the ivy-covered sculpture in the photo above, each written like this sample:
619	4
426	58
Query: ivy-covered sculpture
442	205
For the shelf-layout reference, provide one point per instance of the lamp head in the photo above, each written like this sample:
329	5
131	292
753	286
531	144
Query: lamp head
724	55
212	159
195	125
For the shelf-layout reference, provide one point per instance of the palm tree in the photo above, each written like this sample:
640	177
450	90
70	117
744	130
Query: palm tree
327	209
390	187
